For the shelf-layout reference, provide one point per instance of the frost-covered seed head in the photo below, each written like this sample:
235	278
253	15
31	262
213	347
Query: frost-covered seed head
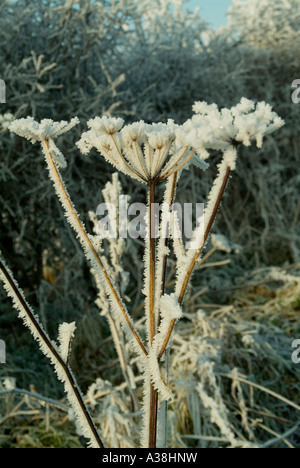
161	135
218	130
135	132
154	152
140	150
106	125
47	128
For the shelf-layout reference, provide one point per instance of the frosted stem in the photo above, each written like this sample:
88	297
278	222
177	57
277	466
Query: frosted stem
50	350
151	234
164	240
120	349
152	326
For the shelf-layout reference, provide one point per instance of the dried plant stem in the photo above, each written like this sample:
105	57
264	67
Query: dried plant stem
141	161
65	369
152	326
196	256
167	240
162	281
262	389
151	234
77	225
35	396
153	416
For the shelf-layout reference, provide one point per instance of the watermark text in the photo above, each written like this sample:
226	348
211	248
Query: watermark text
296	353
296	93
2	92
124	220
2	352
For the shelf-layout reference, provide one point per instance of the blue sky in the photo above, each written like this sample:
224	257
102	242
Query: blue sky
212	10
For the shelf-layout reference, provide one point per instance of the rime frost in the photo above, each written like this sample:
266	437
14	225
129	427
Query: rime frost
47	128
65	334
143	151
216	129
148	152
5	120
106	125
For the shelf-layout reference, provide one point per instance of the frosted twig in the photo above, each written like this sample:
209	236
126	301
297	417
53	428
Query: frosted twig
263	389
163	242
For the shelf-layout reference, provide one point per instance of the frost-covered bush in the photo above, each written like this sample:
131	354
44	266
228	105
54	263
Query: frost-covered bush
53	62
265	25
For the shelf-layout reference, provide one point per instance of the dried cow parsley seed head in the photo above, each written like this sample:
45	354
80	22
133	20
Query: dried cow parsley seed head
106	125
44	132
135	132
221	129
47	128
154	152
143	151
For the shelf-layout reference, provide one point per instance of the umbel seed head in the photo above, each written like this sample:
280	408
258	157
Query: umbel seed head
154	152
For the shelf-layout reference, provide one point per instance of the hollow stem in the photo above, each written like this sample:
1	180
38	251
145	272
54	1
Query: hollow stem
151	312
167	241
